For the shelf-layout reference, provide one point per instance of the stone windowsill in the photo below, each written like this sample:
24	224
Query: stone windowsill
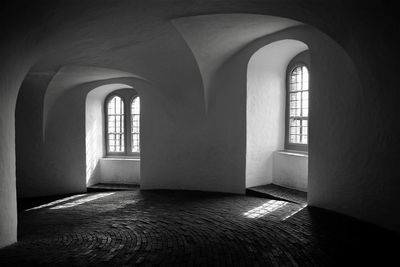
293	153
122	158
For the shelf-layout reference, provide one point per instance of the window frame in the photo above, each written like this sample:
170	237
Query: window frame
127	95
297	61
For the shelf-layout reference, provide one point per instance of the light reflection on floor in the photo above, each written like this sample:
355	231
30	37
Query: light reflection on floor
294	212
264	209
56	202
81	201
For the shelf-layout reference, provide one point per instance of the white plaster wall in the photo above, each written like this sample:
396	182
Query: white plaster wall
8	204
14	67
290	170
120	171
29	142
44	165
94	137
266	90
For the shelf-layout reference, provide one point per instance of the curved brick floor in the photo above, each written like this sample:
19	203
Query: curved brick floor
181	228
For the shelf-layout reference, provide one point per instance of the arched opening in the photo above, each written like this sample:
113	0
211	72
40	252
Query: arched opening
56	143
326	61
267	161
112	135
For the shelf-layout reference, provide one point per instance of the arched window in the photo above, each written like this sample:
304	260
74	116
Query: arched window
122	123
297	108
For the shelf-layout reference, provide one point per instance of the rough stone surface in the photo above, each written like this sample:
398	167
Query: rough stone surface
188	228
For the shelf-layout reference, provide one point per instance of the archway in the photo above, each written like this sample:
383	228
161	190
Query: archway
101	169
266	108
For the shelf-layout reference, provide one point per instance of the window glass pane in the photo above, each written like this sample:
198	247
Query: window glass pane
304	129
305	78
135	108
294	86
304	139
298	112
294	138
298	105
298	96
305	103
135	124
115	123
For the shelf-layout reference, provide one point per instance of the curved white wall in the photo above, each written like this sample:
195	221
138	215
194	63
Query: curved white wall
16	61
8	204
266	91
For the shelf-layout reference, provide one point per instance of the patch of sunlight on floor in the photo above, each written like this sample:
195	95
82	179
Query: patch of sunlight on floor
294	212
56	202
81	201
264	209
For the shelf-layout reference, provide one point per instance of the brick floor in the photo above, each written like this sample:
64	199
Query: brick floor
183	228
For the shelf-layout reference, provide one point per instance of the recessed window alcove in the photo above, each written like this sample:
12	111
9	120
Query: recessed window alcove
269	117
113	135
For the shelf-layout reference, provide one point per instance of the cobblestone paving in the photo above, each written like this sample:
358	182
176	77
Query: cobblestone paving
181	228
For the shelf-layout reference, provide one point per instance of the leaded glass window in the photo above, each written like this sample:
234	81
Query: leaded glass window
135	124
298	106
115	124
122	123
